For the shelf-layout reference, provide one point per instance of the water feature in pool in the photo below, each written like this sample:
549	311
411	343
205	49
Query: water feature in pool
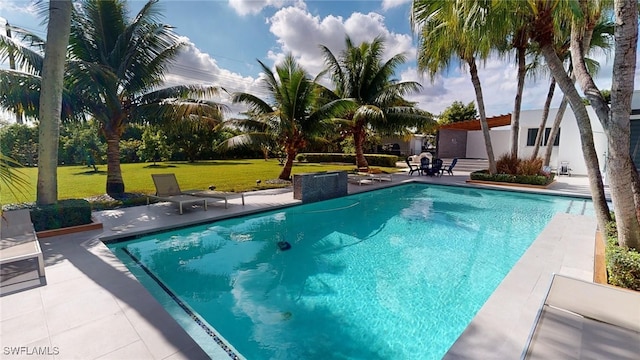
396	273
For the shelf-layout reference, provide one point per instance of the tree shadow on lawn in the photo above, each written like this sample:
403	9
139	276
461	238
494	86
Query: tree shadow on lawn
91	172
215	163
159	166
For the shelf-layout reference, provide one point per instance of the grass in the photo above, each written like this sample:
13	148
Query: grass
77	182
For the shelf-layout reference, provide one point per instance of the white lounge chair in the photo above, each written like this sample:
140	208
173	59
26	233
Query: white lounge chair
584	320
359	179
18	239
167	189
216	195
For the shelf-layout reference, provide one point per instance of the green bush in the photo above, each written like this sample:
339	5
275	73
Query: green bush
483	175
65	213
623	264
372	159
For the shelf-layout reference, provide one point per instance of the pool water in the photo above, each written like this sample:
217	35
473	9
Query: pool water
396	273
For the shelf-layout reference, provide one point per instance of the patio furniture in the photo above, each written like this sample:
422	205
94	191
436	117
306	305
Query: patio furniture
18	239
216	195
424	165
564	168
435	168
167	189
412	168
449	169
359	179
584	320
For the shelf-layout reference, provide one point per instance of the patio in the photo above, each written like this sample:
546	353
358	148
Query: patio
93	308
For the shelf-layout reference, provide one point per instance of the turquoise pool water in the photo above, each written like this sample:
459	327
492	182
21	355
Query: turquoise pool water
396	273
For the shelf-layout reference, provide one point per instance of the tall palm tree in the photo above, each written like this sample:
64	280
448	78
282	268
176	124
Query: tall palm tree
360	74
114	72
615	120
295	111
545	16
51	100
458	29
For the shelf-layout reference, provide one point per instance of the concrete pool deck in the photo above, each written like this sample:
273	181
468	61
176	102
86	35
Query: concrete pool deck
93	308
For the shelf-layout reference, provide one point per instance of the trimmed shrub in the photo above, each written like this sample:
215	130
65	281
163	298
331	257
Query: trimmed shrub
65	213
372	159
484	175
623	264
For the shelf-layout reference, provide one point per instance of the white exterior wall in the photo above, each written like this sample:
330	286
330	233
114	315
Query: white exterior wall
569	148
475	143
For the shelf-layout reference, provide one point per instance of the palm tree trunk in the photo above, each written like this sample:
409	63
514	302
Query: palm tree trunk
358	140
586	134
543	121
473	70
285	174
115	184
620	169
58	31
555	128
515	118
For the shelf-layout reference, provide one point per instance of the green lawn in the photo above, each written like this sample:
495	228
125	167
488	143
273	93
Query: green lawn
76	182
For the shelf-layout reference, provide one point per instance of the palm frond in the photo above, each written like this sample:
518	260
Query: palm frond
14	180
27	58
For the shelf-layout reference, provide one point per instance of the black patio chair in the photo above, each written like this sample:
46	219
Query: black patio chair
412	168
435	168
449	169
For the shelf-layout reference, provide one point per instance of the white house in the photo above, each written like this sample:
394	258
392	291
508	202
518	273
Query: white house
465	139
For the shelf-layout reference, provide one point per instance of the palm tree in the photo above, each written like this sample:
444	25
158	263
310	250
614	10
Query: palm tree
545	15
115	72
601	39
359	74
295	112
615	120
51	100
119	67
456	29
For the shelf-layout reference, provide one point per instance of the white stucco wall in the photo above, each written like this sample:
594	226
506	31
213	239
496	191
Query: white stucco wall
569	148
475	143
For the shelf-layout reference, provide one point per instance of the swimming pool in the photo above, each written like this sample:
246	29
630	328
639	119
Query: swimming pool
396	273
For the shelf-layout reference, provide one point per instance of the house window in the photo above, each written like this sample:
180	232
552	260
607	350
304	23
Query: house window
532	133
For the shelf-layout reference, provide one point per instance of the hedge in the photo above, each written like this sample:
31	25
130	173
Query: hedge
623	264
372	159
484	175
65	213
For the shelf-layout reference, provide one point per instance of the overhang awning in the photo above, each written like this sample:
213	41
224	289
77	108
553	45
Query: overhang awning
500	120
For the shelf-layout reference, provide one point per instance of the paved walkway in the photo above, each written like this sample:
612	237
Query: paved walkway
93	308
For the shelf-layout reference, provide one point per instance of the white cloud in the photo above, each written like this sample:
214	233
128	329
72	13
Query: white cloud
388	4
192	66
19	6
301	33
253	7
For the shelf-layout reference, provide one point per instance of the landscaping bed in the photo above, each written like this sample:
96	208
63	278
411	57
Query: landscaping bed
534	181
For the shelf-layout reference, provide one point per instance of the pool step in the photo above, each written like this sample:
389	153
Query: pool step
577	207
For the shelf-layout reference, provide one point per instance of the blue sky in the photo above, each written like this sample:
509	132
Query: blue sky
227	36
